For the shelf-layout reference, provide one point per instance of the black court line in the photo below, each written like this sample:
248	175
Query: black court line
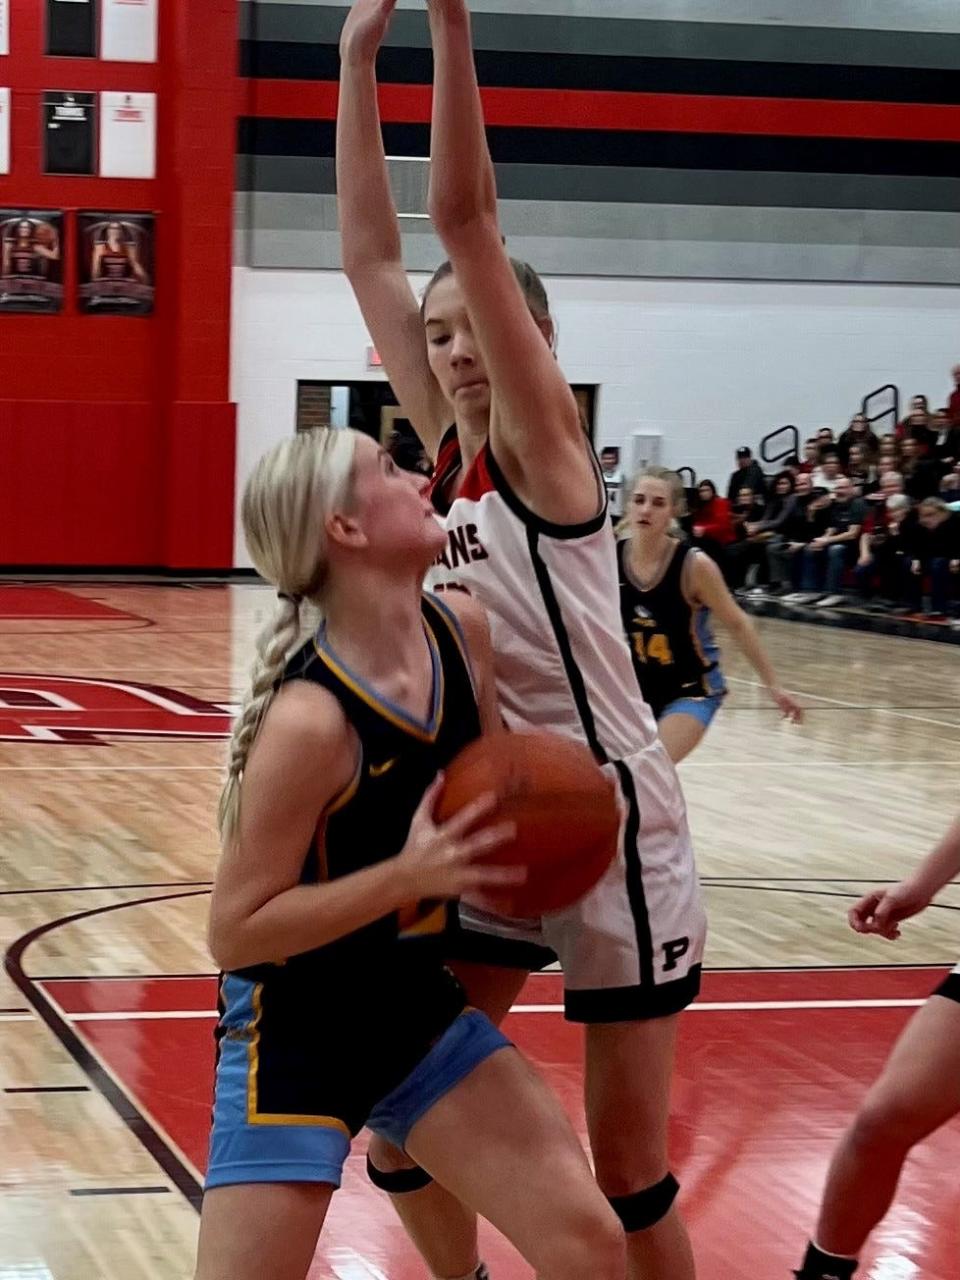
92	888
126	1108
805	880
50	1088
15	1009
119	1191
817	893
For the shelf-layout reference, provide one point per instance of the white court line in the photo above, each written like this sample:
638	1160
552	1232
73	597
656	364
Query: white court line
122	768
16	1017
735	1006
813	764
852	706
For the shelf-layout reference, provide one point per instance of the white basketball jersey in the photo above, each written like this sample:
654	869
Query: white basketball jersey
551	593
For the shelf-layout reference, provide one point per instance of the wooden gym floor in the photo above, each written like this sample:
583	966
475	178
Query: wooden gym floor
113	705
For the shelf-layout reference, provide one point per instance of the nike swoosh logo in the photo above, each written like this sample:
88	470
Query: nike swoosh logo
378	770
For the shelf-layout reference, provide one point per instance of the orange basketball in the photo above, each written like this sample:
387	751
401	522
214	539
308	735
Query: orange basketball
565	810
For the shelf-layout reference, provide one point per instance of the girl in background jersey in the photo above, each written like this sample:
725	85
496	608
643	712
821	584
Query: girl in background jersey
337	1009
524	508
669	592
918	1090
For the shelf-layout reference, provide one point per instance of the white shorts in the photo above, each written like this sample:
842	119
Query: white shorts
632	948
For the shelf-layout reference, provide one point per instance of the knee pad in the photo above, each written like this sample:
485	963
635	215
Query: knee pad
401	1181
644	1209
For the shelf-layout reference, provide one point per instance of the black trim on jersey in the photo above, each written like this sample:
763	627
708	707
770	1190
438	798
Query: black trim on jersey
572	670
532	520
633	1004
634	877
950	987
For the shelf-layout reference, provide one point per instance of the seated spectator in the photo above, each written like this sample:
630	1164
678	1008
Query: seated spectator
806	521
953	404
828	557
921	476
946	439
712	524
885	555
936	554
748	474
889	456
918	405
792	467
826	438
811	455
950	485
862	471
919	429
859	433
828	474
748	550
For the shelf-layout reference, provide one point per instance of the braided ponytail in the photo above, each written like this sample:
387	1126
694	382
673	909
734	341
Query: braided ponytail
286	502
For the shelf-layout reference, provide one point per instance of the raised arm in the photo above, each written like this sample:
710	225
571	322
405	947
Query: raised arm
535	429
707	587
370	232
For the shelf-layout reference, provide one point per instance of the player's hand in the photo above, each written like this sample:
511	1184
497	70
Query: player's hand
364	30
443	861
789	706
915	568
881	911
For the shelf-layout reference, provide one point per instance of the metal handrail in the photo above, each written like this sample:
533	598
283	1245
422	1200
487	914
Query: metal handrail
792	452
892	411
688	471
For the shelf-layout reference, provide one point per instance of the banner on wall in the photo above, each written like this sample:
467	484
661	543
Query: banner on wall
72	28
128	30
4	130
31	260
128	135
68	132
115	263
4	27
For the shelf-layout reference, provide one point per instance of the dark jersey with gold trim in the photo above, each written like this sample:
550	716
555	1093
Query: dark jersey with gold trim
674	651
369	822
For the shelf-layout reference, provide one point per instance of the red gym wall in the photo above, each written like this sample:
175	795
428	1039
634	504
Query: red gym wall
117	437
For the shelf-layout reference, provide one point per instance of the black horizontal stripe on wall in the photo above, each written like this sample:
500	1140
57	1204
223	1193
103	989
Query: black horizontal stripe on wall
640	37
290	60
747	153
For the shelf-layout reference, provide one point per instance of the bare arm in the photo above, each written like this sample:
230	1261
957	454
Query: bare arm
535	432
370	231
305	756
882	910
708	588
476	632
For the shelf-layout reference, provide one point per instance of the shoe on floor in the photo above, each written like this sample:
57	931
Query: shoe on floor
830	602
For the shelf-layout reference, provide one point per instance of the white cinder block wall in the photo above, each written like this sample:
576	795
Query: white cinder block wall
710	365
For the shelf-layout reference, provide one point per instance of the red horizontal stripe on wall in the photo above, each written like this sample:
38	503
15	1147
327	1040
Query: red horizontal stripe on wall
647	112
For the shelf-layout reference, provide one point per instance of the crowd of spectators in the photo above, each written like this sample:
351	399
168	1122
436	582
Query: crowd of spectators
862	518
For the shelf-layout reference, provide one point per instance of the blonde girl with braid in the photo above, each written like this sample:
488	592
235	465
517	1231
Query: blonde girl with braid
331	899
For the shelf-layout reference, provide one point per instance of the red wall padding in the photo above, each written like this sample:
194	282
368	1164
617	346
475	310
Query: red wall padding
101	461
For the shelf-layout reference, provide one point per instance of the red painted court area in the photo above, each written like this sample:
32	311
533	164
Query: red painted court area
49	603
772	1066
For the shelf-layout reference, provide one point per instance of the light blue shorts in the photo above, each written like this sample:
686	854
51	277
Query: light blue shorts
702	709
246	1147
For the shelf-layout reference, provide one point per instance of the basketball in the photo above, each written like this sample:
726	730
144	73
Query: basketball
564	807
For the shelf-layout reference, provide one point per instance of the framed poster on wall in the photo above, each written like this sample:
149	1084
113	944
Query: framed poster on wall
72	28
4	130
68	132
128	30
128	135
115	263
31	260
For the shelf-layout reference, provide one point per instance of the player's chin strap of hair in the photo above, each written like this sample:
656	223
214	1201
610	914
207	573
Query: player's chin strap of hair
401	1181
644	1209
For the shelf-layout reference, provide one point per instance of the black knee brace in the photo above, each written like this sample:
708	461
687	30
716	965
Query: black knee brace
644	1209
401	1181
